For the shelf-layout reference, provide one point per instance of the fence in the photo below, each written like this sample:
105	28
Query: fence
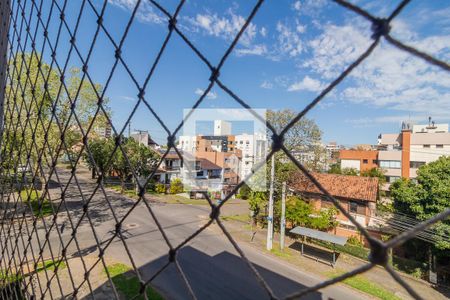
26	236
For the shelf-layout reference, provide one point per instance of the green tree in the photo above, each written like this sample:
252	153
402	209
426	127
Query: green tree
298	211
244	192
301	213
335	168
101	150
256	202
39	107
139	158
425	197
304	133
325	219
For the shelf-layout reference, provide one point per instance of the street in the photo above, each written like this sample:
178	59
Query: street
210	263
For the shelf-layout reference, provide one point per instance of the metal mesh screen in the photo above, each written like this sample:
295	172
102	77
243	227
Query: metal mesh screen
29	240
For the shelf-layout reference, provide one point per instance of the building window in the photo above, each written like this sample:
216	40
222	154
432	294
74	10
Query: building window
374	161
392	179
353	207
426	146
361	210
365	161
241	142
440	146
416	164
390	164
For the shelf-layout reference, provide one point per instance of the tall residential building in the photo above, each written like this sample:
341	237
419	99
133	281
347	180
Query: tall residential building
222	128
253	147
401	154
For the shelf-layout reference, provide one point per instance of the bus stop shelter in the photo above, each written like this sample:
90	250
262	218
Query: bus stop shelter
319	235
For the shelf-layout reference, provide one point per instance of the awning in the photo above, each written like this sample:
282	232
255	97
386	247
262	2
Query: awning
319	235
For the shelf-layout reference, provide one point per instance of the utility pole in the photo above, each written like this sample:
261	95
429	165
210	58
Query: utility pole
283	216
270	217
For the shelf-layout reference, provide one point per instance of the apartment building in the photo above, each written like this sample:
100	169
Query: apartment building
361	160
401	154
252	147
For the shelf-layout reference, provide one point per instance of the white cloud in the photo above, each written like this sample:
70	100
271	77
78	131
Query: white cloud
396	119
266	85
128	98
306	84
263	31
253	50
289	41
309	7
335	49
226	26
389	78
211	94
146	12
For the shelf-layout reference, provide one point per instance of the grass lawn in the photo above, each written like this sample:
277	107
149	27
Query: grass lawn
33	197
361	283
284	254
128	285
49	265
245	218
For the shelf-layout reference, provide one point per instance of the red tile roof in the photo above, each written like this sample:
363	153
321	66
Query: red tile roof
344	186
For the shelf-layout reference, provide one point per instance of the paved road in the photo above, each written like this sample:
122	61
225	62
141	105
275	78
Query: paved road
209	262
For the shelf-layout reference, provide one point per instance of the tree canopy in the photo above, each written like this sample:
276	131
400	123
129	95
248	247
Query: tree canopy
40	106
427	195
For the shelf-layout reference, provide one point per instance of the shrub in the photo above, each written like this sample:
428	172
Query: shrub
354	240
176	186
160	188
244	192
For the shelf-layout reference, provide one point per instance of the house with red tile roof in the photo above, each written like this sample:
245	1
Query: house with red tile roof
357	195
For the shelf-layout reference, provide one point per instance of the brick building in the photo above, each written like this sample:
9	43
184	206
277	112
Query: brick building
358	195
361	160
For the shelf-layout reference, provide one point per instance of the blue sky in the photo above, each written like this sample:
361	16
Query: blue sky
289	53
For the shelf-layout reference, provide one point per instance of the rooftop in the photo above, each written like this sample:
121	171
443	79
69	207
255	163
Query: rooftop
343	186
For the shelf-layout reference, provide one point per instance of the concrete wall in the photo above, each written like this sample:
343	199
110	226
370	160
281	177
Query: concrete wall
351	163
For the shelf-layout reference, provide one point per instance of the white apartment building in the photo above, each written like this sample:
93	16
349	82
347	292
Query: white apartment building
253	147
187	143
222	128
